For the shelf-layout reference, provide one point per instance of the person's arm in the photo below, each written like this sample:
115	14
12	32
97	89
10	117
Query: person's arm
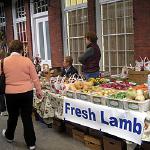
88	53
35	79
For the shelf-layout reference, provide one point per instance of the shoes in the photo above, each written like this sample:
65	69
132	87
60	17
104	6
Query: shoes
32	147
5	113
3	134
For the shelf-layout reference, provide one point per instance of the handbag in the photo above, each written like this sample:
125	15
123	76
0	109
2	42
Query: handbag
2	79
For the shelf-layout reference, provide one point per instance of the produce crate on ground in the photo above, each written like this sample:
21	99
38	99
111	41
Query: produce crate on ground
93	143
110	143
58	125
95	133
69	128
81	128
145	146
78	135
137	105
138	76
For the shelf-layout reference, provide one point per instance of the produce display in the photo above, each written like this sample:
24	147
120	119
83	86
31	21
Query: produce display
97	81
120	95
105	92
118	85
131	94
100	91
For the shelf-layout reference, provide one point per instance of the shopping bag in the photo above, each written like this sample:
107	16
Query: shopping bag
2	79
2	103
146	64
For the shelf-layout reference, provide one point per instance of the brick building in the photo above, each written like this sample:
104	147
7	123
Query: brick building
54	28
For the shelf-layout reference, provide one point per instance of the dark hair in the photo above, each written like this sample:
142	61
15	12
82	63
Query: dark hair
69	59
16	46
91	36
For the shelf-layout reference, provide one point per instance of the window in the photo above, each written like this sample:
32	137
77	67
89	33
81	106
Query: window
3	44
74	2
40	6
2	18
76	27
117	35
20	9
19	16
21	33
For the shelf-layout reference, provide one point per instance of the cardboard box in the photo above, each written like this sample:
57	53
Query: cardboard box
78	135
92	142
114	144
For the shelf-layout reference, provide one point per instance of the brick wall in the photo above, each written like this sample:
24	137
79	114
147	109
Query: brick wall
28	26
9	20
92	15
55	28
141	28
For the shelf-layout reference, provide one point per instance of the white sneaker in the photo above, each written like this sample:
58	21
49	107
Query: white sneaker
3	134
32	147
5	113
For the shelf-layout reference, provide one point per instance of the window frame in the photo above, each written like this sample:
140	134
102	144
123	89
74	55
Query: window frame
99	24
15	19
65	26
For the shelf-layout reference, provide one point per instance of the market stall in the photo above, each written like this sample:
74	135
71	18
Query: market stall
116	97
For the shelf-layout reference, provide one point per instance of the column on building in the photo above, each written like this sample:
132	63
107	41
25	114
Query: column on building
9	20
141	28
55	28
92	15
28	28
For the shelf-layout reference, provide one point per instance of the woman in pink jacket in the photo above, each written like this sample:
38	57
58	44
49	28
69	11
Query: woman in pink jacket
21	77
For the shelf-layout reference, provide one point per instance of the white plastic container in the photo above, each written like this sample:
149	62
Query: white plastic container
99	100
141	106
115	103
71	94
84	96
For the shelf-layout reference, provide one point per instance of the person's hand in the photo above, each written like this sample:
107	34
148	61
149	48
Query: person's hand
39	95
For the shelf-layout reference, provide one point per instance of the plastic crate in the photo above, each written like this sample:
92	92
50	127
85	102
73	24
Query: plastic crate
115	103
99	100
137	105
71	94
84	96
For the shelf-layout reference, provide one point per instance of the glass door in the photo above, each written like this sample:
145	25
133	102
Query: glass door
43	40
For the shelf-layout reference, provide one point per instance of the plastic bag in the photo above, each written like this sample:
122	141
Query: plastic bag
146	64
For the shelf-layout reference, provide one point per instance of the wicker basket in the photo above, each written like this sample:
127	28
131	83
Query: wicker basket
138	76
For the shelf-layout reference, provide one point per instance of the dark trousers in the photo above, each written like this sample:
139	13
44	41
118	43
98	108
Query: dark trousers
20	104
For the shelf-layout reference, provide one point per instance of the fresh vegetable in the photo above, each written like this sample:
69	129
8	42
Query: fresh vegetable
131	93
120	95
143	87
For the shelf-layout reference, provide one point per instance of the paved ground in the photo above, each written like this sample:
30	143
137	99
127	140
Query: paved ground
47	139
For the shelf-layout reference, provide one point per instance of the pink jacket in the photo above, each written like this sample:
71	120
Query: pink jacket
20	74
